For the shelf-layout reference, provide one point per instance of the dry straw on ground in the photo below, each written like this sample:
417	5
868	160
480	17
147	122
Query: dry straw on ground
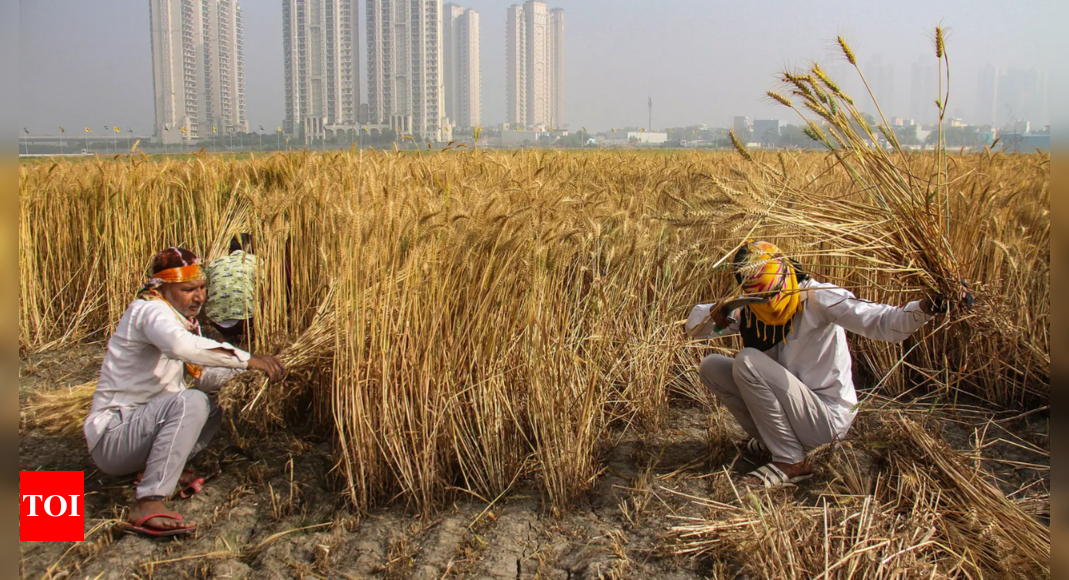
898	504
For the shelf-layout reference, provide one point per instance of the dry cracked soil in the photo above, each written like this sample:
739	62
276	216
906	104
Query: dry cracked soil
278	513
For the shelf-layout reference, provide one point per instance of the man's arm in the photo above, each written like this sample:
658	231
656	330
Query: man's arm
706	321
871	320
168	334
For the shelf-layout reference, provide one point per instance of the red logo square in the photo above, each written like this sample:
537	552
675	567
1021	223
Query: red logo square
51	506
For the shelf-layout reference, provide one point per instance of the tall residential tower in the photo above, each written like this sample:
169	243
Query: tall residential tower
463	84
405	76
320	41
535	65
198	70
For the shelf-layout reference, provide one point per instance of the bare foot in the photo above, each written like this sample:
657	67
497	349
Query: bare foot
144	507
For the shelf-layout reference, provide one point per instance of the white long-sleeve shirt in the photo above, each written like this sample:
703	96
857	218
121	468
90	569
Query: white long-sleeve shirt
146	357
816	350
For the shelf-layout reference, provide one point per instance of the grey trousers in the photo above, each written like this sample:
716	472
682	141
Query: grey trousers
162	435
771	404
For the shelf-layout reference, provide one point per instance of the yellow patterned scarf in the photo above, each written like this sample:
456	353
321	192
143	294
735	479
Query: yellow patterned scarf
763	271
768	273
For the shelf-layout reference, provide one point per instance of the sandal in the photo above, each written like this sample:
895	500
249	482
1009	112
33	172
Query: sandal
141	529
753	447
771	476
197	485
194	487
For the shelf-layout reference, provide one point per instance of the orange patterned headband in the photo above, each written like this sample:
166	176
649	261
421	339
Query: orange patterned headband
190	273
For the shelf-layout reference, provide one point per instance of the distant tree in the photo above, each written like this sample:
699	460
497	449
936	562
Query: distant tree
577	139
956	136
907	136
794	136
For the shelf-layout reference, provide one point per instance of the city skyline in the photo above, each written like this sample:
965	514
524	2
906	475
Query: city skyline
704	74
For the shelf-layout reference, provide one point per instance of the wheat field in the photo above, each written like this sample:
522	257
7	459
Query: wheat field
464	319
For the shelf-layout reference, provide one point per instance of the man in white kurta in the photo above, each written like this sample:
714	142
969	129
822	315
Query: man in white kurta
796	392
151	409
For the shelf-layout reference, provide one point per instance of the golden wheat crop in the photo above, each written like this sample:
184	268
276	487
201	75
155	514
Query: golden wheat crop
464	319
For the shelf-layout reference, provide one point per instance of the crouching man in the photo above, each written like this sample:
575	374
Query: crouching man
151	411
791	387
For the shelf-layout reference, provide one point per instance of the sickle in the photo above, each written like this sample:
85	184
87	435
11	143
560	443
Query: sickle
727	308
732	305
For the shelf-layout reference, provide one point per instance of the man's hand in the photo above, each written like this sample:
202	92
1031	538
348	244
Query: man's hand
719	318
938	304
269	365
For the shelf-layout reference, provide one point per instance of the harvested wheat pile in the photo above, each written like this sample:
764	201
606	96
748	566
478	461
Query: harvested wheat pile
59	411
899	503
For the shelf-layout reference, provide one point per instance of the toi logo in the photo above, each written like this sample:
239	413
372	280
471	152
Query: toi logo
51	506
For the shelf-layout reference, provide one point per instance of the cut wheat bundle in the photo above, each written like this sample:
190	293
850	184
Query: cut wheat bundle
254	400
898	503
904	227
59	411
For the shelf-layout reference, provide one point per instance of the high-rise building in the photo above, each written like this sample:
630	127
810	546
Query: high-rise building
881	79
515	65
198	70
535	65
987	95
1011	97
450	14
463	80
923	91
556	41
1022	98
320	40
406	80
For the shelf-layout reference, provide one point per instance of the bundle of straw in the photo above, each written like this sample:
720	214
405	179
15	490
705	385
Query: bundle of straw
904	220
257	401
925	513
59	411
903	229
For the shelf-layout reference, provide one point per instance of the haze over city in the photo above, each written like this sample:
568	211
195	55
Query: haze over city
90	64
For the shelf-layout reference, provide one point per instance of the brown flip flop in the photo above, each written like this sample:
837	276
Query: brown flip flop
141	529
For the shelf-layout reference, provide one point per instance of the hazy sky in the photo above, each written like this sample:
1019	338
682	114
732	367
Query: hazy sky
89	62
